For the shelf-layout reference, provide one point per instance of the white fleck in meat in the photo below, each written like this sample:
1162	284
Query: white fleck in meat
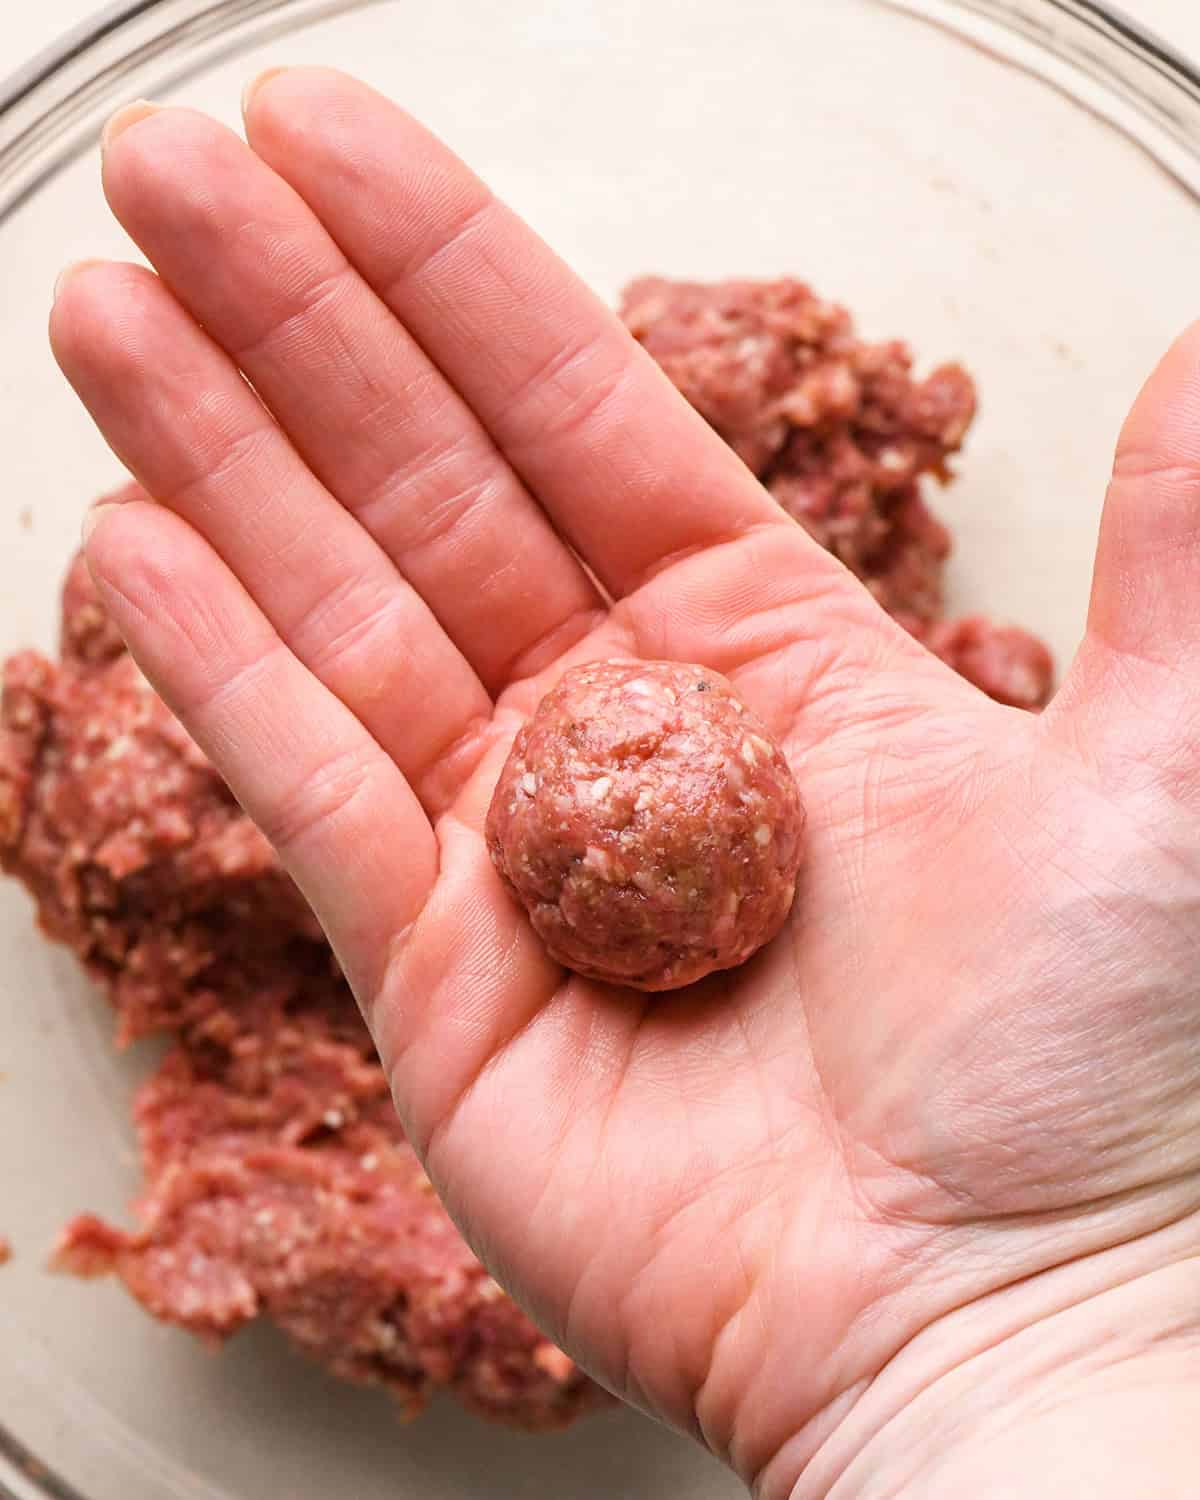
600	861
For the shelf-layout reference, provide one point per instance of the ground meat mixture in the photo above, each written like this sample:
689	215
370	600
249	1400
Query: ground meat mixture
843	435
648	823
1008	663
837	429
139	858
89	637
277	1180
279	1184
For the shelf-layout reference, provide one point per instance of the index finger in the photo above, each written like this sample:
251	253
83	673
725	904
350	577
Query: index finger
628	472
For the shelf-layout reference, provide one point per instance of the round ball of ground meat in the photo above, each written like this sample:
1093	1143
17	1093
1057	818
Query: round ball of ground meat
648	823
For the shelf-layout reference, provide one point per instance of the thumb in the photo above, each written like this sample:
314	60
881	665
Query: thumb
1133	690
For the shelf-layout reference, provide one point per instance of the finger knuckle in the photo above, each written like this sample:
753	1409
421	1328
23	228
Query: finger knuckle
322	799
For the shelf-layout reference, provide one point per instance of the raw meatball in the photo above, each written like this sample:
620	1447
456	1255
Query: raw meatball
648	823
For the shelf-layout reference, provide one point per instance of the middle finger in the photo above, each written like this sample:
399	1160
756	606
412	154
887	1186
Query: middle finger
372	416
194	435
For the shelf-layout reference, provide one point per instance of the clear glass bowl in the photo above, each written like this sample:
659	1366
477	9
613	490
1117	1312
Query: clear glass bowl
1009	181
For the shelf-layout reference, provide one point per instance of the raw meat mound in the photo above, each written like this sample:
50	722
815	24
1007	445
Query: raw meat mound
844	436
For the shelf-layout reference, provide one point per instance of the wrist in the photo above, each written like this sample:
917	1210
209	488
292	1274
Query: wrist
1084	1378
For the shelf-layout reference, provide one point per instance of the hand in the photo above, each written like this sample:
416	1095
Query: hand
776	1207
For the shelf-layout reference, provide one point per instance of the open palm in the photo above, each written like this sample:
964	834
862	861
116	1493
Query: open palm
447	474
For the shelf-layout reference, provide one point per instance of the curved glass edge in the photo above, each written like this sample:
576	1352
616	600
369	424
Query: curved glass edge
52	109
1062	23
24	1477
72	44
1099	57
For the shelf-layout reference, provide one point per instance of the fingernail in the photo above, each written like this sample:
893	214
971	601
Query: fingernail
92	518
66	274
255	84
126	116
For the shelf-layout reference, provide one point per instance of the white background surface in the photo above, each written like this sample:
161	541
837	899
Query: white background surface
33	27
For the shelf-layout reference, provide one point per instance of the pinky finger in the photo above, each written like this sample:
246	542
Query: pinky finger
341	816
